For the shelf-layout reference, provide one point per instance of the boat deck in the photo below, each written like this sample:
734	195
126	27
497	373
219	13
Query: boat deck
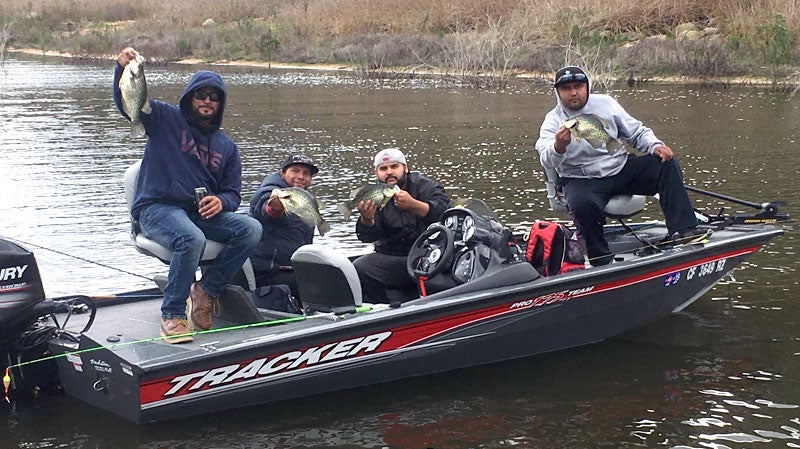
131	326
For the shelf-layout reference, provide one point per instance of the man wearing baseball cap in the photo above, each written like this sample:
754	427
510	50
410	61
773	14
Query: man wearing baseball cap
394	228
591	171
281	234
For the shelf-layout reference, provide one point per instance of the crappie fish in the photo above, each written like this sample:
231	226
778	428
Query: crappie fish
380	194
592	129
304	205
133	88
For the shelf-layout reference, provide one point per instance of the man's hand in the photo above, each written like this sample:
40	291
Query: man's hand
210	205
664	152
403	200
275	205
563	138
367	210
127	55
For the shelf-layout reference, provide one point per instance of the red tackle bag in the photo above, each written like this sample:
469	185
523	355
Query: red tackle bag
552	250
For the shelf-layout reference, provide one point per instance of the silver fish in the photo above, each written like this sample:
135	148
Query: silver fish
304	205
380	194
133	87
592	129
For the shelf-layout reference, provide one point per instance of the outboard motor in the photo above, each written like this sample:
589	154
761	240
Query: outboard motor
20	291
22	337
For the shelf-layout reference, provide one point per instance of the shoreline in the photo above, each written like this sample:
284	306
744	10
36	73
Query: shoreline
525	75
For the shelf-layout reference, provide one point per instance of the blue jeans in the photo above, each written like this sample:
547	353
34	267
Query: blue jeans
185	233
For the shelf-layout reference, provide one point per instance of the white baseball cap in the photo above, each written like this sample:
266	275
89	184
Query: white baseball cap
389	155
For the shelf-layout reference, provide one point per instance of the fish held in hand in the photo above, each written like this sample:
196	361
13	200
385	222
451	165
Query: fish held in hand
133	90
304	205
380	194
592	129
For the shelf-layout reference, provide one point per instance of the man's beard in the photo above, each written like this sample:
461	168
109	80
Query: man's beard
401	181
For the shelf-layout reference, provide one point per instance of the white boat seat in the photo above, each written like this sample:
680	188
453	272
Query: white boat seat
619	206
149	247
326	279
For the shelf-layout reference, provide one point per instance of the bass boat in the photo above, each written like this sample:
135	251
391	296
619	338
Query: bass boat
479	301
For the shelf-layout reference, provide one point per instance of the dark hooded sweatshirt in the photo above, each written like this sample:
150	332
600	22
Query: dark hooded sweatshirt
281	236
181	154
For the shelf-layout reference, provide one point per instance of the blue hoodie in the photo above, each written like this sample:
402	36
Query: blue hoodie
181	154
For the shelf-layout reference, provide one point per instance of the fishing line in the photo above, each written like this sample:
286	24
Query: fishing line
7	376
76	257
152	339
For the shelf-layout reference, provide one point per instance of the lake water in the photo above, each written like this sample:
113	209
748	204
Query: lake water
725	373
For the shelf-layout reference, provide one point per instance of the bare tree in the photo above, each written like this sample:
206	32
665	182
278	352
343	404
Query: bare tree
6	36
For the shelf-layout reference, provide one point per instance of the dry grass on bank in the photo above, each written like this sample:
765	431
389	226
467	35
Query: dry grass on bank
325	18
465	36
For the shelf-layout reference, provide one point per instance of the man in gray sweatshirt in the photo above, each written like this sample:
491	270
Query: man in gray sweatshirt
592	170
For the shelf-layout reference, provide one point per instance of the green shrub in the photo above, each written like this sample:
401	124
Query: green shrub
267	44
183	47
774	40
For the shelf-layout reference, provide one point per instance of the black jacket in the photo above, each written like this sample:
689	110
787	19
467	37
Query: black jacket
396	230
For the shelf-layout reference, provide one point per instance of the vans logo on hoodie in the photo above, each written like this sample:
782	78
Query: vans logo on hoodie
209	159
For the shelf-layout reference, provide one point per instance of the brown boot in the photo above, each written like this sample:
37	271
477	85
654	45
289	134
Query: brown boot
199	307
175	330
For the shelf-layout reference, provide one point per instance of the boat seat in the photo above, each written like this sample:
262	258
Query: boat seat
619	206
326	279
246	276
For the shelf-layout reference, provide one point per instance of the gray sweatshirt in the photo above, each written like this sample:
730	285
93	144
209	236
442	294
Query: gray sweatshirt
581	160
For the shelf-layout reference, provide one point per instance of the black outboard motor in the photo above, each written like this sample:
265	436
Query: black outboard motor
22	337
20	290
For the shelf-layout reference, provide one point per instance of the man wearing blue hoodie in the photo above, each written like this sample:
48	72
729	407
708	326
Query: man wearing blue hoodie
185	150
592	172
282	233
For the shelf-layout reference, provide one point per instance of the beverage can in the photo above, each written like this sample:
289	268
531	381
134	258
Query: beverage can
199	194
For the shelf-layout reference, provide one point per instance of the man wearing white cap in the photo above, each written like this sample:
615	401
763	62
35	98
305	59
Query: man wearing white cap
394	228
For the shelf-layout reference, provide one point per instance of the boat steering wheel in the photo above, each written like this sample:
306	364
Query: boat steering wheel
431	253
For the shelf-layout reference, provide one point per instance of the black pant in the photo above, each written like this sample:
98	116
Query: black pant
642	175
384	278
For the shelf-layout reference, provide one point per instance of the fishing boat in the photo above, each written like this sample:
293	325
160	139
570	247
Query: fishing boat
479	301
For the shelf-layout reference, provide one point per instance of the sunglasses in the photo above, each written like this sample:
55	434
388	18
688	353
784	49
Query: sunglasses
202	95
569	77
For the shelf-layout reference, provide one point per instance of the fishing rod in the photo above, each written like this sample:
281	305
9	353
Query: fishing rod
770	208
76	257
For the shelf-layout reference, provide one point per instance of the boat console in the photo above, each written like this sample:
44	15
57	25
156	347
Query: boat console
465	245
466	250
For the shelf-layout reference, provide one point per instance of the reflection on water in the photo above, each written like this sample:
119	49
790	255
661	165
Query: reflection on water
722	374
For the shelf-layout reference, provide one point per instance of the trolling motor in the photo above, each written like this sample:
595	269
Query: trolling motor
767	212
